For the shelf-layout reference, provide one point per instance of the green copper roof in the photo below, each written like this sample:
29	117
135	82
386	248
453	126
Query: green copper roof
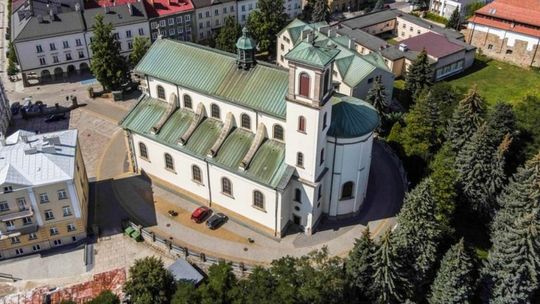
245	42
235	148
267	166
352	117
313	55
215	73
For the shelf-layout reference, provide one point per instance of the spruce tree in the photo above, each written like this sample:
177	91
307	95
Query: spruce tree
107	65
377	97
418	234
266	22
422	122
513	265
12	60
480	166
444	178
501	121
455	282
141	45
389	282
455	20
359	266
379	6
466	119
228	35
320	11
419	76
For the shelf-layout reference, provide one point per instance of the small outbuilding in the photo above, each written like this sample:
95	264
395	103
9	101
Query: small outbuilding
182	270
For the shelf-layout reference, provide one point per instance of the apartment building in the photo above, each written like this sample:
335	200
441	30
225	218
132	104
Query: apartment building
210	15
244	8
445	8
43	192
173	19
56	45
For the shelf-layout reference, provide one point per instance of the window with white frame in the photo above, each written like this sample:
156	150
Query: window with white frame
258	199
39	49
162	23
71	227
4	206
226	186
19	251
49	215
15	240
53	231
32	236
171	21
27	220
66	210
52	46
62	194
42	61
81	54
141	31
36	247
179	19
10	225
43	198
128	34
78	42
66	44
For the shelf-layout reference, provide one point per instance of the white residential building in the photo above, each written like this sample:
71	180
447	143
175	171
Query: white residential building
244	8
445	8
58	44
271	146
43	192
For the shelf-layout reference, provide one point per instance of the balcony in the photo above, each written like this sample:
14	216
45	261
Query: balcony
14	229
16	215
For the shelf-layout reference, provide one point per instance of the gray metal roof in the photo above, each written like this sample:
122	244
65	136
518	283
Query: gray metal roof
117	15
61	24
182	270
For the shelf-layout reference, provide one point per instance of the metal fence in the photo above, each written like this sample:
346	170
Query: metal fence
197	257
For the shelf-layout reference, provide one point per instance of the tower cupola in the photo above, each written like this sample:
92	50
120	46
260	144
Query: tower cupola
245	47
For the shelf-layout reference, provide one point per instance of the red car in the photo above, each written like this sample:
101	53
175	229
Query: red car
200	214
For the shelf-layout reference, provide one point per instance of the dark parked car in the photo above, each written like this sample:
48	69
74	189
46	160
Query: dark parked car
15	107
200	214
216	220
55	117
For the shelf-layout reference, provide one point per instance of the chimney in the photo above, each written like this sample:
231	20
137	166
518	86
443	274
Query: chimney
310	37
51	14
351	44
77	7
130	9
305	34
403	47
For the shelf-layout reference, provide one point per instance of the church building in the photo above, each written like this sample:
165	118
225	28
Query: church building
271	146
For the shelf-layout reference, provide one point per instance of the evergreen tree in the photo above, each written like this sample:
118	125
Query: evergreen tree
359	266
186	293
455	281
455	20
389	283
480	167
259	288
500	122
422	122
149	282
418	234
12	55
107	65
105	297
141	45
377	97
228	35
513	265
320	11
379	6
419	76
466	119
444	178
528	115
266	22
12	60
221	285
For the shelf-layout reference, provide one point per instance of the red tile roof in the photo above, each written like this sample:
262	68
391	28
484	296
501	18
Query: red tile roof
522	16
436	45
155	8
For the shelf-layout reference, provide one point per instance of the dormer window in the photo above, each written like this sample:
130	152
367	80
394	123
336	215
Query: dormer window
304	85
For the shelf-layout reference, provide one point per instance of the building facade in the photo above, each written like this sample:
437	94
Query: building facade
5	111
44	192
244	8
210	15
445	8
447	50
353	73
173	19
57	45
270	146
508	31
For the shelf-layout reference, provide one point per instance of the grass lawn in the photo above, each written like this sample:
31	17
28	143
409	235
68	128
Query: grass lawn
498	81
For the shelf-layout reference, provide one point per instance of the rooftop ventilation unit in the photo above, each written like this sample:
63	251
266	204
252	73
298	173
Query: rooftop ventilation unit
403	47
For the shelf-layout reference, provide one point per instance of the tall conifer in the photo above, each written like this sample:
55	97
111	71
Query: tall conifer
419	76
467	117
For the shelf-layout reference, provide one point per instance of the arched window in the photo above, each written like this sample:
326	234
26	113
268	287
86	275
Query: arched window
258	199
304	85
169	164
245	121
297	195
324	121
300	159
187	102
326	81
347	190
160	92
143	151
226	186
214	109
196	174
302	124
278	132
322	156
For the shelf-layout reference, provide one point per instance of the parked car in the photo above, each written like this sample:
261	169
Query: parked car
15	107
27	103
55	117
216	220
200	214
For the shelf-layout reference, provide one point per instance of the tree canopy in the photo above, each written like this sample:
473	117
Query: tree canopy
140	47
419	75
266	22
228	35
149	282
455	20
